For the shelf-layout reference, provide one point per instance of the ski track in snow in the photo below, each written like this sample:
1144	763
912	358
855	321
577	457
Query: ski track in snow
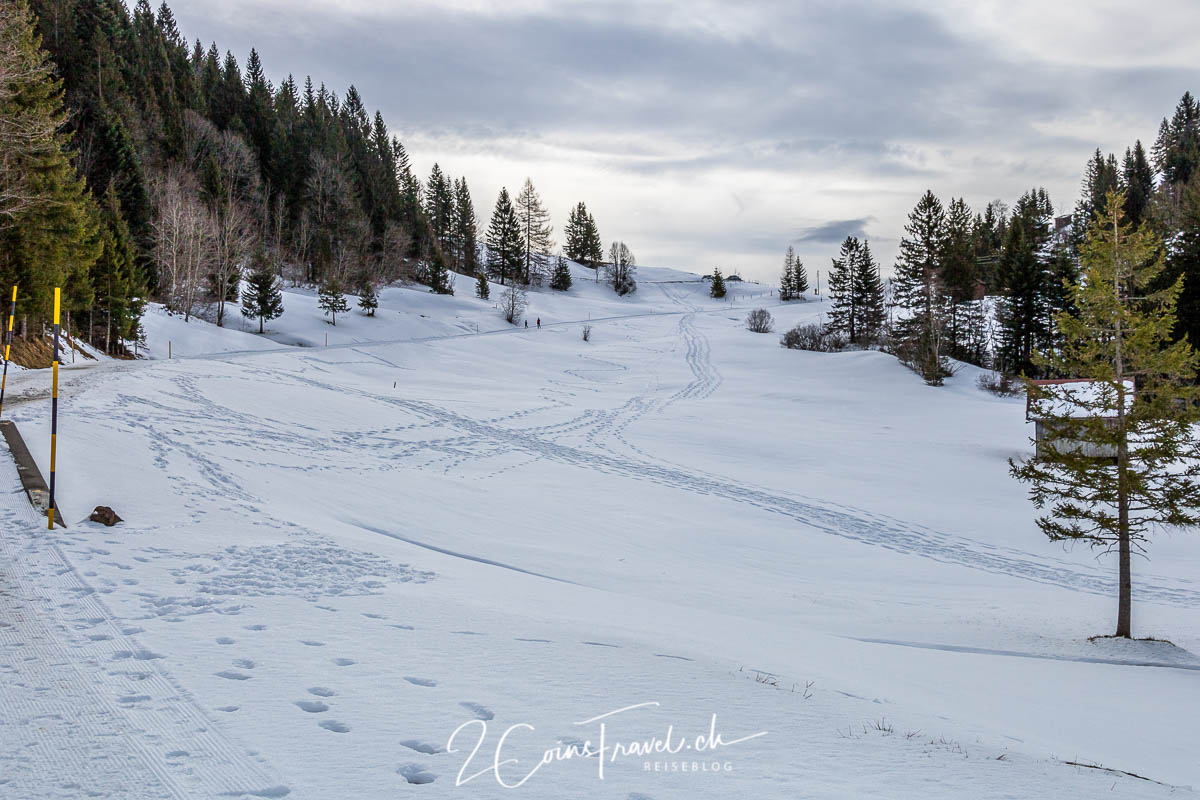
88	711
194	420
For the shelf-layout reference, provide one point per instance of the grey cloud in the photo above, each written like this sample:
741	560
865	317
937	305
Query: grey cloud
834	231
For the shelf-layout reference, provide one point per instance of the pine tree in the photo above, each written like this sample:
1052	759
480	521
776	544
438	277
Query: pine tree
799	279
439	276
1183	263
368	298
504	241
561	280
574	232
959	273
482	290
49	227
1022	276
465	227
535	232
114	278
331	299
868	296
261	298
1138	179
1140	404
717	288
917	291
787	287
845	314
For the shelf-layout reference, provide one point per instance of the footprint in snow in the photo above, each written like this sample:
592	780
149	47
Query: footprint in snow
335	726
415	773
311	643
227	709
321	691
344	662
224	640
244	663
402	627
422	747
374	616
481	712
230	675
420	681
256	627
312	706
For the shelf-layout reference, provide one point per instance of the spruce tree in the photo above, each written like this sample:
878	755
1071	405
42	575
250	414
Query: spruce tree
261	298
917	291
505	254
799	279
49	226
844	313
1021	276
439	276
868	296
1140	404
482	290
561	280
717	288
466	234
114	279
331	299
787	290
368	298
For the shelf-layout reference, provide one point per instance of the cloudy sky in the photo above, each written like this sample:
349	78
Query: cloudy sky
706	133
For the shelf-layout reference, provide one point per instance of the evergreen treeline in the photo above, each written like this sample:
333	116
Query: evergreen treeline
138	165
986	287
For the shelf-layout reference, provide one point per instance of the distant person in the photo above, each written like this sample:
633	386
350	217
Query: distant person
526	323
539	323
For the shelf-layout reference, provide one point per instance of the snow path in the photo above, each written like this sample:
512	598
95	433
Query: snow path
86	709
842	521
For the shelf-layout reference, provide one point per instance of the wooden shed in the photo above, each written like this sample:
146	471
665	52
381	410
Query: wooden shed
1045	424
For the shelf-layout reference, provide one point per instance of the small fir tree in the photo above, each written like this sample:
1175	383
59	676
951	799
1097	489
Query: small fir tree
561	280
261	298
331	299
1139	402
717	289
368	298
482	290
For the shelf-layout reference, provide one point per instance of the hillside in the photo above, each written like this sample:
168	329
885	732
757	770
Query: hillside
333	557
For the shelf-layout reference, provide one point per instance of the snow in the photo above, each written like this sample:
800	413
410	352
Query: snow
334	557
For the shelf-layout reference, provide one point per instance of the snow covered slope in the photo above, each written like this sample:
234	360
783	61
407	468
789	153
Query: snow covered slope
335	557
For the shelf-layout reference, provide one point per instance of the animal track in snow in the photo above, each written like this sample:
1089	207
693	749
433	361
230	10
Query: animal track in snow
422	747
420	681
415	773
481	712
312	706
256	627
230	675
334	726
321	691
344	662
224	640
244	663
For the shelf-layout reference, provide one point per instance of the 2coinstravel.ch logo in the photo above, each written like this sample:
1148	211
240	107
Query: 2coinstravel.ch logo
673	752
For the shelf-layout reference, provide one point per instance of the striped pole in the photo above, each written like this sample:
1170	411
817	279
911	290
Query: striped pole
12	313
54	407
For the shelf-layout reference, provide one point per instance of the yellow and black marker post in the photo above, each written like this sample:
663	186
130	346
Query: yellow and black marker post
54	408
12	313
